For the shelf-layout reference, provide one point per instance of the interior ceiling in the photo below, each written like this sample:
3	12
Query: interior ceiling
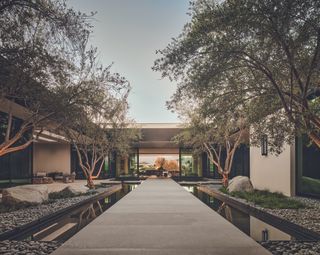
159	134
158	151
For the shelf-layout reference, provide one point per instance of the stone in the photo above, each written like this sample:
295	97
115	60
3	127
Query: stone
240	183
18	217
26	195
75	190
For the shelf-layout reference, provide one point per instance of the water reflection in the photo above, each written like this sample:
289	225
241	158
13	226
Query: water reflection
66	226
253	227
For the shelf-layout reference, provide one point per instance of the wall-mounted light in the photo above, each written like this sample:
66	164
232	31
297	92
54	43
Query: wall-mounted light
264	145
265	235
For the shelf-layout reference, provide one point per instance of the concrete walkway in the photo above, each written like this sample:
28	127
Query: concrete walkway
160	217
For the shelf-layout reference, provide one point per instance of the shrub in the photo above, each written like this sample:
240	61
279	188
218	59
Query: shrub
267	199
66	193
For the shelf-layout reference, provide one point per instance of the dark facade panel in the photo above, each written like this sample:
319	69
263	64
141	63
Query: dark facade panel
307	167
240	166
159	134
155	144
16	167
106	172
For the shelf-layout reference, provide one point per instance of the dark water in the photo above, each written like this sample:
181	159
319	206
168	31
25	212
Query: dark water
68	225
253	227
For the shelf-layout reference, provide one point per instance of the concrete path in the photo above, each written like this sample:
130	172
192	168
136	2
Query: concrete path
160	217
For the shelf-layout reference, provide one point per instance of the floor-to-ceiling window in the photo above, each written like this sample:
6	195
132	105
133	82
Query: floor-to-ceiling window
212	170
189	163
308	167
15	167
105	172
149	163
133	163
240	163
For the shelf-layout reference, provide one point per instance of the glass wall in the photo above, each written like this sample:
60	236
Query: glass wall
240	164
189	163
308	167
133	163
148	163
212	170
15	167
105	172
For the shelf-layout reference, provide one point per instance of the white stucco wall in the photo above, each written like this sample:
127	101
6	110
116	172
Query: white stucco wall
275	173
51	157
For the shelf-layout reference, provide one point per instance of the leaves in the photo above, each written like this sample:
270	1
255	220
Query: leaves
261	58
47	66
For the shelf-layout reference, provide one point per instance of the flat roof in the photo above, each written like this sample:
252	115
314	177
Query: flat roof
159	125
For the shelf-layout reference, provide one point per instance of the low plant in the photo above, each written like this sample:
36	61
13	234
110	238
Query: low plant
67	194
310	185
267	199
223	189
102	185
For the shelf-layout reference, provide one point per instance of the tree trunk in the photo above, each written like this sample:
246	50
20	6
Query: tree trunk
225	180
315	138
90	183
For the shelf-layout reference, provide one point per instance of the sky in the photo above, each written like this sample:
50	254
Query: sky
127	33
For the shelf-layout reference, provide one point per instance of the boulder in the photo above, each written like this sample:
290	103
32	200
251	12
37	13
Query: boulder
25	194
240	183
75	189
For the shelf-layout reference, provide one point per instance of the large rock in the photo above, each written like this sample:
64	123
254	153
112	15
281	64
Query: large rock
75	189
26	194
240	183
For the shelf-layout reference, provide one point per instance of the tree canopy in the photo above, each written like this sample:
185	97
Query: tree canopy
48	67
264	54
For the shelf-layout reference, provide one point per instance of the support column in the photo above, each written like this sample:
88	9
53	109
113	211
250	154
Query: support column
118	165
180	167
138	160
199	166
126	165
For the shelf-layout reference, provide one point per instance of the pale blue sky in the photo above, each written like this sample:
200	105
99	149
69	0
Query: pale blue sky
128	32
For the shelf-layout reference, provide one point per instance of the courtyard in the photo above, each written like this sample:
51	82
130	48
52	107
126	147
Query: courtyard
159	127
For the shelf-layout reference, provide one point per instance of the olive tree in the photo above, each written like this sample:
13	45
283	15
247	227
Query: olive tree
274	46
96	127
42	44
217	136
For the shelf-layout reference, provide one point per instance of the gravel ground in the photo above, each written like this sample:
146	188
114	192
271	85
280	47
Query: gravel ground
13	219
307	217
27	247
292	247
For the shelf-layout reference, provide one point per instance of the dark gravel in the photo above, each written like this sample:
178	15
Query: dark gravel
27	247
292	247
307	217
13	219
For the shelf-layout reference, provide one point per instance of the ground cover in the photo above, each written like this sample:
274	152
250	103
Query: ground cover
66	193
267	199
292	247
310	185
307	216
27	247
